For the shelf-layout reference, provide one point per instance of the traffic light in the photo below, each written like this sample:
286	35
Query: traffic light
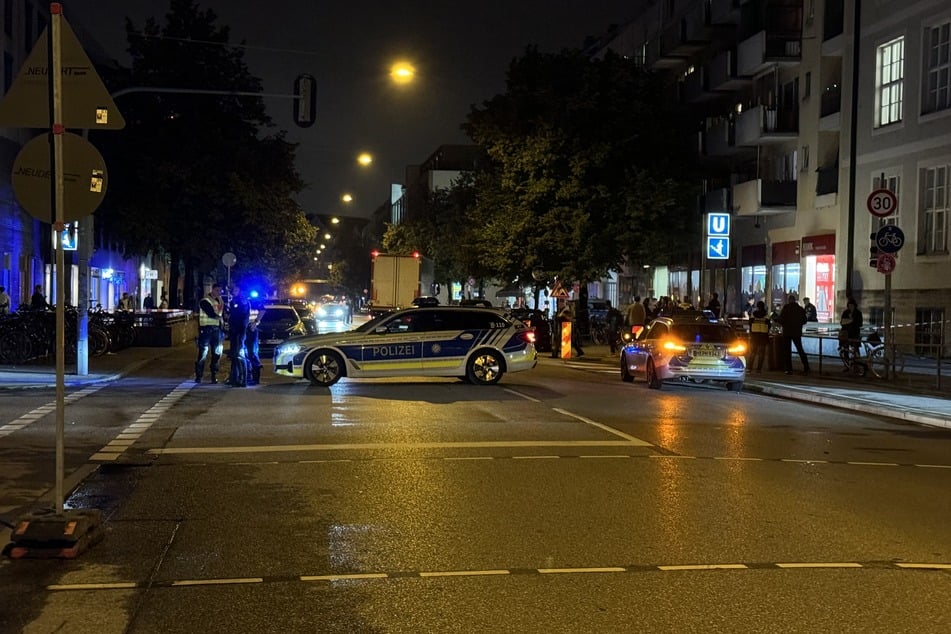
305	101
873	250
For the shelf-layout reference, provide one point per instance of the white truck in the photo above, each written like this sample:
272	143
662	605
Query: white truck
396	280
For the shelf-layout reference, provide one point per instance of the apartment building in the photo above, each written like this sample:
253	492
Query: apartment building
769	84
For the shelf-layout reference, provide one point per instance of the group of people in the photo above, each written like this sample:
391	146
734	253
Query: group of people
245	367
792	318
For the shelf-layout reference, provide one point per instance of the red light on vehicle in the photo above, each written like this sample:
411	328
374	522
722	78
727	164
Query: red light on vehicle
416	254
374	253
528	336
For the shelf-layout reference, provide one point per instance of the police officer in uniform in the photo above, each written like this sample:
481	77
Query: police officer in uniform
759	337
239	314
210	309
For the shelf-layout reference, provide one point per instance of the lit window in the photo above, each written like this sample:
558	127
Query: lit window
938	56
935	204
890	80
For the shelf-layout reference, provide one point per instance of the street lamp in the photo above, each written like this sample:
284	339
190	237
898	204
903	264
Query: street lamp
365	159
402	72
347	198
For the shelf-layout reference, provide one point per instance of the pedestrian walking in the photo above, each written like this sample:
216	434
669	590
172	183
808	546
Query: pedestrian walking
163	303
614	320
239	314
4	301
210	311
38	300
636	315
792	318
759	337
714	304
148	303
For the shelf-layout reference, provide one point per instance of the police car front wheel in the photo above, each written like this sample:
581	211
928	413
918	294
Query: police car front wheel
485	368
323	368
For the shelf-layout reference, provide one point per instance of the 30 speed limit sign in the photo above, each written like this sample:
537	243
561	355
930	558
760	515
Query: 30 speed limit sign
882	203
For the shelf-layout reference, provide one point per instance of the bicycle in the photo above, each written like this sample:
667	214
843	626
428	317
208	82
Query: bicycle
881	360
852	360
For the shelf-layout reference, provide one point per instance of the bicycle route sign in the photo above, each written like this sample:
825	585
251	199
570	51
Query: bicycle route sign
882	203
890	239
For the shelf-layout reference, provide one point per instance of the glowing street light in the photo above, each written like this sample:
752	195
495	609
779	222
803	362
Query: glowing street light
402	72
347	198
335	220
365	159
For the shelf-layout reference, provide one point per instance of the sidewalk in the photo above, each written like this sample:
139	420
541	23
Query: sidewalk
915	400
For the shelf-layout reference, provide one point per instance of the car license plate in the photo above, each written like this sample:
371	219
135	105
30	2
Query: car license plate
706	353
272	341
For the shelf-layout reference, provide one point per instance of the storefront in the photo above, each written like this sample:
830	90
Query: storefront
818	275
753	274
784	276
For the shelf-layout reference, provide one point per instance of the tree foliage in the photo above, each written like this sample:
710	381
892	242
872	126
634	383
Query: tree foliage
198	174
579	150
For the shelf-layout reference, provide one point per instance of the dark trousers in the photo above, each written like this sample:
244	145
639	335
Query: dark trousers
209	344
789	341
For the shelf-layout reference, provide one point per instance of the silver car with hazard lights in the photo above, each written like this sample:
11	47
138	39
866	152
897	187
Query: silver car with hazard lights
473	344
689	347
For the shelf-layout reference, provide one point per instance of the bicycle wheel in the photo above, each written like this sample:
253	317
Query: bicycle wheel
98	341
879	362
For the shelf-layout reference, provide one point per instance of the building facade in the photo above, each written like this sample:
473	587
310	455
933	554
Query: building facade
771	86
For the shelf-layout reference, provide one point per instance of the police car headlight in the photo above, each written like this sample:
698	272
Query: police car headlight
321	312
288	348
338	312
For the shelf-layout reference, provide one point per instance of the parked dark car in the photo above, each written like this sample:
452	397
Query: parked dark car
276	323
537	320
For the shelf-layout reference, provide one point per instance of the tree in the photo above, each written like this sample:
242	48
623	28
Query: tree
580	152
196	174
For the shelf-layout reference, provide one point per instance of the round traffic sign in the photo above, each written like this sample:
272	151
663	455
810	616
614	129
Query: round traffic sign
228	259
885	263
882	203
84	178
889	239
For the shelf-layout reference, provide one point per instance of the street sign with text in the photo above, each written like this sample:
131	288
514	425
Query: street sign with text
718	224
882	203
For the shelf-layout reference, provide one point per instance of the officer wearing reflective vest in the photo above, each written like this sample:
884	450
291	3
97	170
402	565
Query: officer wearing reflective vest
759	336
210	310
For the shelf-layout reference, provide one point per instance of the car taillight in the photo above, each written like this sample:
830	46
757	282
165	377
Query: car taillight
674	346
737	349
528	336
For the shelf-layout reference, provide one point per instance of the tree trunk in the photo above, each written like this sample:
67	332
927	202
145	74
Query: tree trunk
174	281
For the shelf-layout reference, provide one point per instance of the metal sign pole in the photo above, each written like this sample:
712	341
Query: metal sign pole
56	72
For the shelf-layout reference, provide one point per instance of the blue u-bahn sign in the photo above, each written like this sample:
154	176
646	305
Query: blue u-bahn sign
718	225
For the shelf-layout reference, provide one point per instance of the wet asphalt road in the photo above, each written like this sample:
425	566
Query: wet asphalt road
561	500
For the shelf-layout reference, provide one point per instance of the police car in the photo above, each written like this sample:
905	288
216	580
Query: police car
687	346
474	344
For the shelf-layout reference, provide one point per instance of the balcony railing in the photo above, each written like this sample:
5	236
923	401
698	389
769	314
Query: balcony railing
831	101
764	197
761	125
722	73
761	50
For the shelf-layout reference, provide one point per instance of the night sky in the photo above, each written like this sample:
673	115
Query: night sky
461	53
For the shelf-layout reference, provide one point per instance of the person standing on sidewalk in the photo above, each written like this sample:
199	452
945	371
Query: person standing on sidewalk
792	318
714	304
614	320
850	330
4	301
210	309
637	315
239	314
759	337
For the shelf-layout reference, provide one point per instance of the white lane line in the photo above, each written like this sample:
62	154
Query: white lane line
605	456
372	575
536	457
43	410
804	461
610	430
119	585
934	466
503	444
674	457
128	436
820	564
872	464
926	566
738	458
525	396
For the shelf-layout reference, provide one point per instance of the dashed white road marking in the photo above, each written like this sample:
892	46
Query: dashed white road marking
128	436
39	412
488	444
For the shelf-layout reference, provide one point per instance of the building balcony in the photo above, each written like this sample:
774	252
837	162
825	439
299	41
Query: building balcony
675	41
722	74
718	139
716	201
694	88
763	198
833	19
661	58
762	50
724	12
701	26
830	105
763	126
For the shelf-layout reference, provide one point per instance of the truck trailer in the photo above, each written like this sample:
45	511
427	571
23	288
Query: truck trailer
396	280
